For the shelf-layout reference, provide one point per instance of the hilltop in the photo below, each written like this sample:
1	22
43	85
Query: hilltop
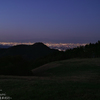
20	59
34	51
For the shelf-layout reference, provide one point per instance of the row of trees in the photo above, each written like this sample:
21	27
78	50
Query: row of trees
88	51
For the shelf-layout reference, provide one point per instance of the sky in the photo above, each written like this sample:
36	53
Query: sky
59	21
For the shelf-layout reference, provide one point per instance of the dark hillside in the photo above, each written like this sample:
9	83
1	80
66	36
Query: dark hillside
28	51
14	65
24	58
2	50
20	59
88	51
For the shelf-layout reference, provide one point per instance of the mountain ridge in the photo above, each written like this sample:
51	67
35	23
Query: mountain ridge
28	51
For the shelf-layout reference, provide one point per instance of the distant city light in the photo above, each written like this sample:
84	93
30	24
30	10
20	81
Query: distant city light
59	46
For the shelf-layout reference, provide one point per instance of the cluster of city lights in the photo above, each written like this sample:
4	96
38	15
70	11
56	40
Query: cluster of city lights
59	46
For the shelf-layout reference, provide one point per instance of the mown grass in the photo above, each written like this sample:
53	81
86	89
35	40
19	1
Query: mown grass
75	79
76	67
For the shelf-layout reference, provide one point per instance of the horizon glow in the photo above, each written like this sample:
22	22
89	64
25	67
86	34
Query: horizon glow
59	46
58	21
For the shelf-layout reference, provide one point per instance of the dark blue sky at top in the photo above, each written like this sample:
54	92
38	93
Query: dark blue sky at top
75	21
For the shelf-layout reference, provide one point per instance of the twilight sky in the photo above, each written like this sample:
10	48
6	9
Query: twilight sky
68	21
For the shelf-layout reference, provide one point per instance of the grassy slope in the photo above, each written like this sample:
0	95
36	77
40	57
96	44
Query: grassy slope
75	79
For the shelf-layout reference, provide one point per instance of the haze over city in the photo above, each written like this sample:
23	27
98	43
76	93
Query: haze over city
59	46
57	21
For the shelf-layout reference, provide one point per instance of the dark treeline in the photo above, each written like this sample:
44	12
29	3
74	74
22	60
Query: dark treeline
13	60
88	51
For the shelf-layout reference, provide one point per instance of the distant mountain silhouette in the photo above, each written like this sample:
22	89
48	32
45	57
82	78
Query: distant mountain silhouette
27	51
4	46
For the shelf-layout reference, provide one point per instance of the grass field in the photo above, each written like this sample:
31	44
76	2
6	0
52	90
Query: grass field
74	79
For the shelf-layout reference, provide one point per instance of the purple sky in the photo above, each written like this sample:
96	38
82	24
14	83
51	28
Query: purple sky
74	21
